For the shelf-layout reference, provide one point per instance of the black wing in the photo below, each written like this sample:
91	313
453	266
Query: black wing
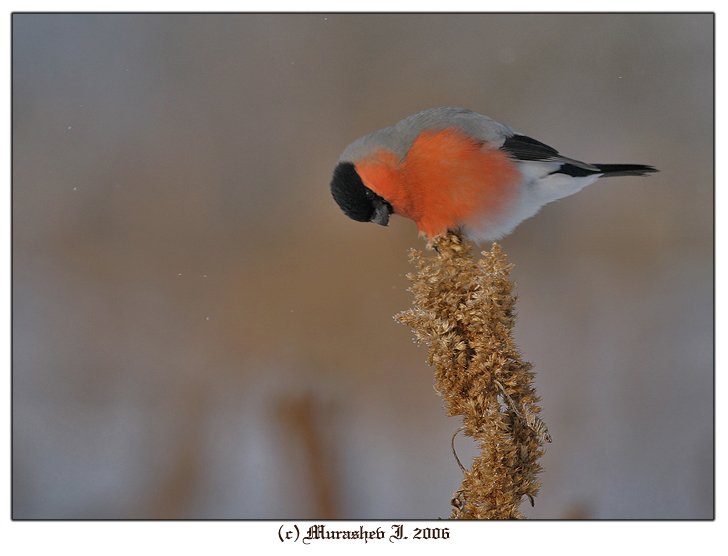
525	148
521	147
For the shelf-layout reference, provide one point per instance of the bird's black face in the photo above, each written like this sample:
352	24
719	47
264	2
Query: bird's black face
356	200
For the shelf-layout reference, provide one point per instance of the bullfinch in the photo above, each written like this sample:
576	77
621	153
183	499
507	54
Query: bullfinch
452	169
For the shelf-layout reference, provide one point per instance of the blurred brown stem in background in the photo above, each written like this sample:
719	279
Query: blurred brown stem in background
464	312
310	460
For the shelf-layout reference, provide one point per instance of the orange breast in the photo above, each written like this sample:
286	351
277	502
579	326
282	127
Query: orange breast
445	179
452	178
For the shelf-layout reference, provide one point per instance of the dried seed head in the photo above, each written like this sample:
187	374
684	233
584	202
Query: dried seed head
464	312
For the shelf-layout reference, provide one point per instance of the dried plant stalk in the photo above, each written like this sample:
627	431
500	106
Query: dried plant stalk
464	312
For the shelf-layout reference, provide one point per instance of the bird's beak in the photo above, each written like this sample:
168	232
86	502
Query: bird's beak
381	214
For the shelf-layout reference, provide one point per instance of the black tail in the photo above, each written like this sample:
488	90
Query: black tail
625	169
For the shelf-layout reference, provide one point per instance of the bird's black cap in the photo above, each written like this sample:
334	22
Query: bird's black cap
354	198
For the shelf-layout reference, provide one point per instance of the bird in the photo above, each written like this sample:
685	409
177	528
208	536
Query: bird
455	170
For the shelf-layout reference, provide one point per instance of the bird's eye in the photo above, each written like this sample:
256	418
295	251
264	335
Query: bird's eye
370	194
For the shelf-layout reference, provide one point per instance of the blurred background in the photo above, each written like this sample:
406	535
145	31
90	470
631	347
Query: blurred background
199	332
